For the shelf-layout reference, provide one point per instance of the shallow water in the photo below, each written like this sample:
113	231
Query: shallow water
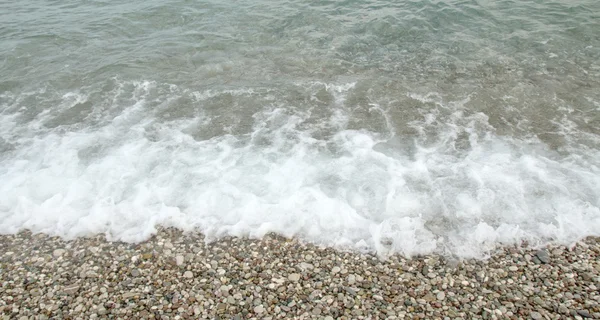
389	126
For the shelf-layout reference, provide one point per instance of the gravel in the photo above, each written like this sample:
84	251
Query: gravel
176	276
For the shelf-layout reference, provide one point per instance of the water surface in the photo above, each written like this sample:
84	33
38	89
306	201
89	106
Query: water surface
389	126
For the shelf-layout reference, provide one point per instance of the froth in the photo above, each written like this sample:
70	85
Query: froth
462	191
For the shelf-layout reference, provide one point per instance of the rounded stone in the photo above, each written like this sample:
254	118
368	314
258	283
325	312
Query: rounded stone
536	315
259	309
58	252
351	279
294	277
441	296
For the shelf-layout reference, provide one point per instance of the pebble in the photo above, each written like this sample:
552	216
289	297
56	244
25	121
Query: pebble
536	315
294	277
224	289
71	289
306	266
351	279
543	256
277	278
584	313
259	309
563	309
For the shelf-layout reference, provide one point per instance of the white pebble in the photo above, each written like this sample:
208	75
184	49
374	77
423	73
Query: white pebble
58	253
294	277
441	296
259	309
351	279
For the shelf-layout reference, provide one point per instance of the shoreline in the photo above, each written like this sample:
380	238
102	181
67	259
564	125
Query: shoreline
177	276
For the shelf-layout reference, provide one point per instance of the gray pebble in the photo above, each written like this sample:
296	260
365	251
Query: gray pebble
238	278
536	315
584	313
543	256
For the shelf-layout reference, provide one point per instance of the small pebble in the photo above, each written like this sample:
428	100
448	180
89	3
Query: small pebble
294	277
259	309
536	315
177	276
543	256
58	252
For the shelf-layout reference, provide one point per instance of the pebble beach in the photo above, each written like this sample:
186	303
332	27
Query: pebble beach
439	130
178	276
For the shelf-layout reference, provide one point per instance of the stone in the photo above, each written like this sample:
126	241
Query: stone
441	295
543	256
425	270
58	252
351	279
238	278
539	301
35	292
294	277
224	289
179	260
306	266
429	297
129	295
259	309
71	289
563	309
584	313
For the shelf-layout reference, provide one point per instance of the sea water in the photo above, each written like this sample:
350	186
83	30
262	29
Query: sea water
387	126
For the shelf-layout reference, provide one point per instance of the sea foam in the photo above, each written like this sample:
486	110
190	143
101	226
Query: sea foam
125	169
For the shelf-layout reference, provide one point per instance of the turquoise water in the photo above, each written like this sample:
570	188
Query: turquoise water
388	126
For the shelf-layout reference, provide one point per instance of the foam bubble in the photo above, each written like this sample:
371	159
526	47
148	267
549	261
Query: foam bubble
462	192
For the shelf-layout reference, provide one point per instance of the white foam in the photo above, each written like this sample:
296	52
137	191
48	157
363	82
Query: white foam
367	194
